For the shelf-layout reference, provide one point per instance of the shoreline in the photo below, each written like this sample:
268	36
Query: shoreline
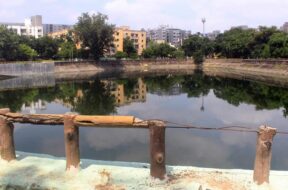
269	73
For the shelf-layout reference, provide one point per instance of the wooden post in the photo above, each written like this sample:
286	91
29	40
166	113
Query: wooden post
263	154
157	149
7	149
71	136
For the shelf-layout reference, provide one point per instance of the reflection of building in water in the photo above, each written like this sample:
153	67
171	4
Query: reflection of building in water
34	106
174	90
138	93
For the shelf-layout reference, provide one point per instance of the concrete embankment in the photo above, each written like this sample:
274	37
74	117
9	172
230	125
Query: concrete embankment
24	69
120	65
268	71
89	69
35	171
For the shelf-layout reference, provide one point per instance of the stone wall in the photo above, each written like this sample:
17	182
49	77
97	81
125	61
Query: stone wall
21	69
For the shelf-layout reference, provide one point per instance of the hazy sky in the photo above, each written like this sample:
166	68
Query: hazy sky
186	14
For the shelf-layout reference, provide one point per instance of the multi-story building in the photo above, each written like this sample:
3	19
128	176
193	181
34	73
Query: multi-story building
213	35
30	27
173	36
137	36
117	90
284	28
34	27
61	33
52	28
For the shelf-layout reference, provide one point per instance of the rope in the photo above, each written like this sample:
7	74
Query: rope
175	125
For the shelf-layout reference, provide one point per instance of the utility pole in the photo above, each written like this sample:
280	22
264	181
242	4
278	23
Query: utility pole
203	21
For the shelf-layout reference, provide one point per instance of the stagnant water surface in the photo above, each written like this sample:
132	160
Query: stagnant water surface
197	99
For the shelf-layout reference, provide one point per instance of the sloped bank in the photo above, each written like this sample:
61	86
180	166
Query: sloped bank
35	171
92	67
271	71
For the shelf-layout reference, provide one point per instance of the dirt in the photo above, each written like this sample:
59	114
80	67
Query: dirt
215	180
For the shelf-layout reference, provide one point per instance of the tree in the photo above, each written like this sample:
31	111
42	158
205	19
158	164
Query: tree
9	41
278	44
235	43
120	55
47	47
155	50
25	52
95	34
129	48
67	50
259	46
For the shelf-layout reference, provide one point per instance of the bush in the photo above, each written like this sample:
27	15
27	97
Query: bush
120	55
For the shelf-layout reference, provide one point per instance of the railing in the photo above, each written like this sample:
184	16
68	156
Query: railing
156	128
71	134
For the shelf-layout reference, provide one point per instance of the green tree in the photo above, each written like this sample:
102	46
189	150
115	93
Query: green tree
278	43
178	54
159	50
120	55
259	46
9	41
25	52
47	47
95	34
235	43
129	48
67	50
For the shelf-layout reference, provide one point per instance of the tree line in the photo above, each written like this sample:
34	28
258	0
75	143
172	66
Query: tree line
95	36
96	97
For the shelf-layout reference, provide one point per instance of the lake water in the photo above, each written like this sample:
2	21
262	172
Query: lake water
196	99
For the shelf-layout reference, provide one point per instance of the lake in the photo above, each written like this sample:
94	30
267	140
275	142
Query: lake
190	99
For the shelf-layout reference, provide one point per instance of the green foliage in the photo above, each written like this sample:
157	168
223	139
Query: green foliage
278	43
8	44
155	50
196	43
235	43
128	48
198	57
198	47
178	54
67	50
120	55
95	34
25	52
46	47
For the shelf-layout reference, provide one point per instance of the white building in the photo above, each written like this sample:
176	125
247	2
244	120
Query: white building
31	27
164	33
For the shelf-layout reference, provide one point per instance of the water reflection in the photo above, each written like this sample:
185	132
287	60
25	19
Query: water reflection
198	99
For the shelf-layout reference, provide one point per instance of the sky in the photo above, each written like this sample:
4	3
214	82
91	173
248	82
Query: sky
184	14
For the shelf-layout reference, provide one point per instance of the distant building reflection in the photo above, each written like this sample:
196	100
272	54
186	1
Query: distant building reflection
34	106
138	94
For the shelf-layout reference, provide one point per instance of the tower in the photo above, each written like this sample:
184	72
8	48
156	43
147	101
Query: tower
203	21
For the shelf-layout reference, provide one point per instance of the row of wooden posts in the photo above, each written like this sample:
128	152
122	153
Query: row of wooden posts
157	138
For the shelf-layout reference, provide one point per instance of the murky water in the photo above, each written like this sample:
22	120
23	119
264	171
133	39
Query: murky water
196	99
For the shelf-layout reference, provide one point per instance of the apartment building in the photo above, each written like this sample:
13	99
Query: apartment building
31	27
34	27
52	28
137	36
164	33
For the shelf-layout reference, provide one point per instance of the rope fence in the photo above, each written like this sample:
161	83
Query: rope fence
72	122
